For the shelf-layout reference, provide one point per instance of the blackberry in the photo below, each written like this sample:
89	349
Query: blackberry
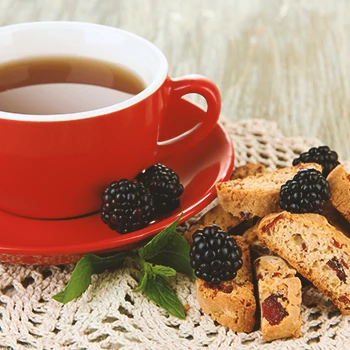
165	186
127	206
307	192
215	255
321	155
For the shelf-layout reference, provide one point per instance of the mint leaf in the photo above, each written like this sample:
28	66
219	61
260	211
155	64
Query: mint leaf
102	263
166	253
175	254
142	281
153	283
158	290
152	248
169	249
163	271
143	277
81	277
148	270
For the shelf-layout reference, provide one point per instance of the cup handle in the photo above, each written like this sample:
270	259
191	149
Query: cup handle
178	88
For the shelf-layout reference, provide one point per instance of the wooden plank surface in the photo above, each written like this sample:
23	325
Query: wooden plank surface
287	61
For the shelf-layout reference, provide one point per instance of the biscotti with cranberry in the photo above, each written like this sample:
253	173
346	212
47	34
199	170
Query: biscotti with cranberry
217	215
279	298
339	181
256	195
248	169
231	303
317	250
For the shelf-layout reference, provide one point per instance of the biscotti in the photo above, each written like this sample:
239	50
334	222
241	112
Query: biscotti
232	303
257	248
339	181
317	250
256	195
279	297
248	169
336	219
251	234
218	216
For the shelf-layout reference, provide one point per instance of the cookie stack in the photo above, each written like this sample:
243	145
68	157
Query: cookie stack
288	223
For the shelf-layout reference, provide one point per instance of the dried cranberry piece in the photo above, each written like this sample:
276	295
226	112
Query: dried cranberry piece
337	244
225	288
344	263
335	265
344	299
276	274
272	223
259	276
272	310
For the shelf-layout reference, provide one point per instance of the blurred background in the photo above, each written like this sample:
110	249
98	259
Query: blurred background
287	61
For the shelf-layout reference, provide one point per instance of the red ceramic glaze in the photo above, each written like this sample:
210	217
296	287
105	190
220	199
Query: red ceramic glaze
33	241
59	169
57	166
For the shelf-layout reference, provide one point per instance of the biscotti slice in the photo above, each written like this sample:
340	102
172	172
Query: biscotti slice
247	170
279	297
336	219
232	303
257	248
251	235
339	181
317	250
218	216
256	195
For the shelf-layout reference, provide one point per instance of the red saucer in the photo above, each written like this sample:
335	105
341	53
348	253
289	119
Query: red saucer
30	241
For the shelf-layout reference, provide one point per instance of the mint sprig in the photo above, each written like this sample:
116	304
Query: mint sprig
81	277
153	247
166	254
159	291
175	254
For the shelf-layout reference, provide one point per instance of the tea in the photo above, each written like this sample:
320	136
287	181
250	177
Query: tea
61	85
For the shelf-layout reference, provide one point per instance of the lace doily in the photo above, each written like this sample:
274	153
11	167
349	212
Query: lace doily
110	315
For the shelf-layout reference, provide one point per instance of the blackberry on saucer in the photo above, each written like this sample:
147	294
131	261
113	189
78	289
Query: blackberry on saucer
321	155
127	206
165	186
307	192
215	255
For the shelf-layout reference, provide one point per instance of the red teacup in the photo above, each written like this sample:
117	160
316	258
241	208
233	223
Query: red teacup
57	165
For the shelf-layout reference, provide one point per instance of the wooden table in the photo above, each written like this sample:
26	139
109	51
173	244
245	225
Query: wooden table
287	61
